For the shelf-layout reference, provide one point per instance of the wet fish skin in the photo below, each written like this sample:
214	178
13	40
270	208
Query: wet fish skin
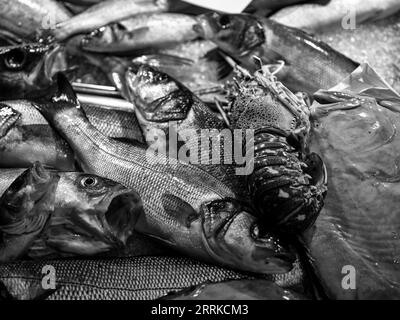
8	117
359	223
252	289
141	32
24	17
317	18
90	215
310	64
184	206
102	14
130	278
31	138
25	208
27	70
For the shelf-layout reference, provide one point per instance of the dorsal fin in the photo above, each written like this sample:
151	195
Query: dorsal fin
65	92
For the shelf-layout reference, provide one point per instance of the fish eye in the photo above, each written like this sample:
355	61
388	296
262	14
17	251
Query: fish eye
15	59
224	21
89	182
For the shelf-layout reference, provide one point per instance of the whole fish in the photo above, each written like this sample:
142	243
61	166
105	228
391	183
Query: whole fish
27	70
24	17
102	14
184	206
88	214
336	14
309	64
244	289
25	208
131	278
141	31
27	137
357	233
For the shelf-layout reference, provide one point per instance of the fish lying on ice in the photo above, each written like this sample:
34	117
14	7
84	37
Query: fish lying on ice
336	14
309	64
30	138
86	215
24	17
184	206
102	14
140	32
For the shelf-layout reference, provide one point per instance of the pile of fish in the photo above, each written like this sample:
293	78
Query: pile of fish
107	182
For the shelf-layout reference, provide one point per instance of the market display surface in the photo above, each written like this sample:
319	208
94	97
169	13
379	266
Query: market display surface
161	150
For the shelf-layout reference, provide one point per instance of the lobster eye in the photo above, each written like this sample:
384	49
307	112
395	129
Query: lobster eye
15	59
224	21
89	182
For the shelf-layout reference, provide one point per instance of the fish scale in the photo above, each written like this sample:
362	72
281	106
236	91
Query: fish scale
133	278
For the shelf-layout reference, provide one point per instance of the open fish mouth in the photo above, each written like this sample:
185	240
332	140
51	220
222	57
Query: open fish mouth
102	228
157	96
232	236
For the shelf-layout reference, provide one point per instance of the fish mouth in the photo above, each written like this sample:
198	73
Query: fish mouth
232	236
157	96
123	213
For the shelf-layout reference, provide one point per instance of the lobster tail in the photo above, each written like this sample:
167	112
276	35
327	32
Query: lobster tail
288	188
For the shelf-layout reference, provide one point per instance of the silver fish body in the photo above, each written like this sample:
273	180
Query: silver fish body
141	32
31	138
24	17
104	13
310	64
131	278
184	206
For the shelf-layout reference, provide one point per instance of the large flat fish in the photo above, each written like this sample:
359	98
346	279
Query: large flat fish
356	246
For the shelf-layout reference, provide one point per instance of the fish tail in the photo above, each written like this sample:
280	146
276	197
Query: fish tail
62	100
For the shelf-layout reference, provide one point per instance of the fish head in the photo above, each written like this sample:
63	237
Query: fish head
92	215
25	208
236	34
103	37
27	70
231	235
156	95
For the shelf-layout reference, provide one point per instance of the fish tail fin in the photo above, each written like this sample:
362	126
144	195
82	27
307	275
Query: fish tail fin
64	98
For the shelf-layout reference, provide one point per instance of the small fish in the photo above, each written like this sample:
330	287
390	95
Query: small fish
24	17
140	32
244	289
184	206
27	70
309	64
131	278
316	18
26	136
89	215
25	208
102	14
